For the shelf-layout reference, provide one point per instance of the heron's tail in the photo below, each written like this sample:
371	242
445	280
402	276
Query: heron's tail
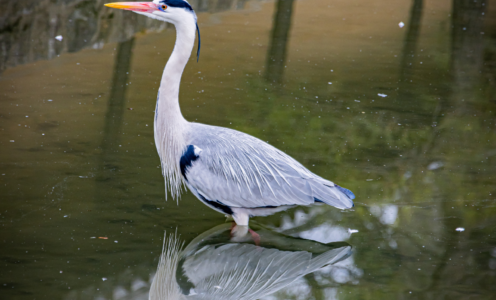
333	195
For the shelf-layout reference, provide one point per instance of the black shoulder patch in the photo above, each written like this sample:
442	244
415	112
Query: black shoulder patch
188	157
178	3
216	205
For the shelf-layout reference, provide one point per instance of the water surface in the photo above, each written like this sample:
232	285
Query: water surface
394	100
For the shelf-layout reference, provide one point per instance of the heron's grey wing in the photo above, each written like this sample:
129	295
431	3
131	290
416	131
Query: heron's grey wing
238	170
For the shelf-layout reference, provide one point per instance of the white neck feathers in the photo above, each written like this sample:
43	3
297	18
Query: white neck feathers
170	125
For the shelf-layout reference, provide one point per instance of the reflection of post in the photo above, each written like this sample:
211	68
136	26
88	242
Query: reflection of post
467	48
411	39
467	60
406	94
117	100
276	56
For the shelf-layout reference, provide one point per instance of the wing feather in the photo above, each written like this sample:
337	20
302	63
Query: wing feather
239	170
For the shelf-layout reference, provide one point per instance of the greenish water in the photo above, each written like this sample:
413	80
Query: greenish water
402	116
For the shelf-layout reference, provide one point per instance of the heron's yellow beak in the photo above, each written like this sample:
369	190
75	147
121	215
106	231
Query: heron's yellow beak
134	6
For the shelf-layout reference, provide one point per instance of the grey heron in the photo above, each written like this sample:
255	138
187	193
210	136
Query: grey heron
214	267
229	171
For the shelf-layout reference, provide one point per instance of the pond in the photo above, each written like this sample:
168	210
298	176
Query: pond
394	100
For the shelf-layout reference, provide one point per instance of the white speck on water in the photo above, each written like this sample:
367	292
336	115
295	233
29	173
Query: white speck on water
352	230
435	165
42	134
382	95
104	279
83	176
399	124
61	272
369	179
50	100
329	82
116	242
77	64
357	100
59	38
217	287
401	24
65	216
92	237
460	229
12	141
27	116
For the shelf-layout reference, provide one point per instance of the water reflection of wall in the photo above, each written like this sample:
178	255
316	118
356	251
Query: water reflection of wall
28	28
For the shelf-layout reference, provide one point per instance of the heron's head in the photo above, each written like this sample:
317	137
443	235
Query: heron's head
172	11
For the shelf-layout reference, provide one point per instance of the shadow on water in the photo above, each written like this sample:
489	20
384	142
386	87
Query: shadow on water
407	93
466	67
276	55
115	108
467	52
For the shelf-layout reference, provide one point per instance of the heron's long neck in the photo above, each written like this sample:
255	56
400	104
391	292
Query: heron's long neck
170	125
168	95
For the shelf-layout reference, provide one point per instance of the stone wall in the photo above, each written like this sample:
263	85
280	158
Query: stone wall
28	27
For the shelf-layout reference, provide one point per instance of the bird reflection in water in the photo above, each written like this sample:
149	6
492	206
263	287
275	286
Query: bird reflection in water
214	266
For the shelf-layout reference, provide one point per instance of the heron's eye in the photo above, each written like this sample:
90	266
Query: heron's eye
163	7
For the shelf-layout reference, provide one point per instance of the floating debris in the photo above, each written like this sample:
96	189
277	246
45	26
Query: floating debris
382	95
434	165
401	24
460	229
103	237
352	230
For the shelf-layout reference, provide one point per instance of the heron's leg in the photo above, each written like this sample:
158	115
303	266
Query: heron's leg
240	216
255	236
231	231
